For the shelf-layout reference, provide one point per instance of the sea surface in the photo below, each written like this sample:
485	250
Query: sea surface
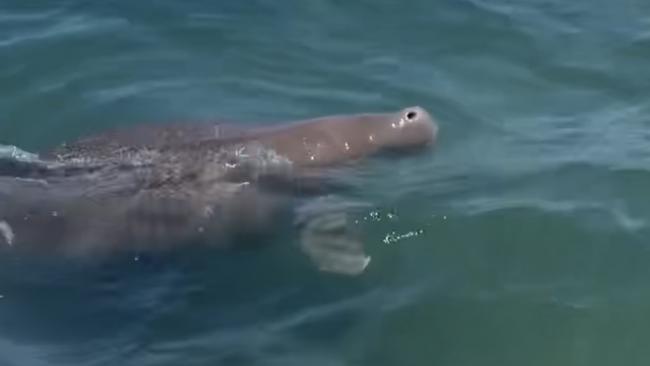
523	238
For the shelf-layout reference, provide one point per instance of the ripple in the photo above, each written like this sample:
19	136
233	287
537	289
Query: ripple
68	26
12	17
18	354
137	88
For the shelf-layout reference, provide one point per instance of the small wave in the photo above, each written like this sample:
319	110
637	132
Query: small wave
588	212
73	25
12	17
21	354
270	87
14	153
137	88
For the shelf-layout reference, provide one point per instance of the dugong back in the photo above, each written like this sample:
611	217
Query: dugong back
151	136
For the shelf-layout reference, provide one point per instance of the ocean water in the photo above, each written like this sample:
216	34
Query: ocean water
521	239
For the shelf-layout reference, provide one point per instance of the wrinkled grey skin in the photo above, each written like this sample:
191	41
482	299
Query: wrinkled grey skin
155	187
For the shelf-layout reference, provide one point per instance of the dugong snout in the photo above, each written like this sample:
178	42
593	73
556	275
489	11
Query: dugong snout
410	127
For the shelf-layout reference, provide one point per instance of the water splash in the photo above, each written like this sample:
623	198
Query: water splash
12	152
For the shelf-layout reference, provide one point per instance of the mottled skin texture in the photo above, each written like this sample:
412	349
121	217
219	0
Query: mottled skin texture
155	186
309	143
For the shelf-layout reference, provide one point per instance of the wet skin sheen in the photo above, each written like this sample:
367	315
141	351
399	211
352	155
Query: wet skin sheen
314	142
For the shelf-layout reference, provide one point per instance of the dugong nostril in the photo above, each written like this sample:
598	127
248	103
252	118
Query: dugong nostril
411	115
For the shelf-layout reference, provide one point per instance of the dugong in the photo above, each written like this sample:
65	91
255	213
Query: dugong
153	187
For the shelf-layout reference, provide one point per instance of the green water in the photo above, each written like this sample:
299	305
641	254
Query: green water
521	240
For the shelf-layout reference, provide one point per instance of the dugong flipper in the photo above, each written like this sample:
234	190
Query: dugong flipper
327	238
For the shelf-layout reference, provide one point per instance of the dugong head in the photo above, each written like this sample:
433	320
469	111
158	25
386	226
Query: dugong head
412	127
339	138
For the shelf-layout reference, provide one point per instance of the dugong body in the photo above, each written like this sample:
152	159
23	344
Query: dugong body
156	187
